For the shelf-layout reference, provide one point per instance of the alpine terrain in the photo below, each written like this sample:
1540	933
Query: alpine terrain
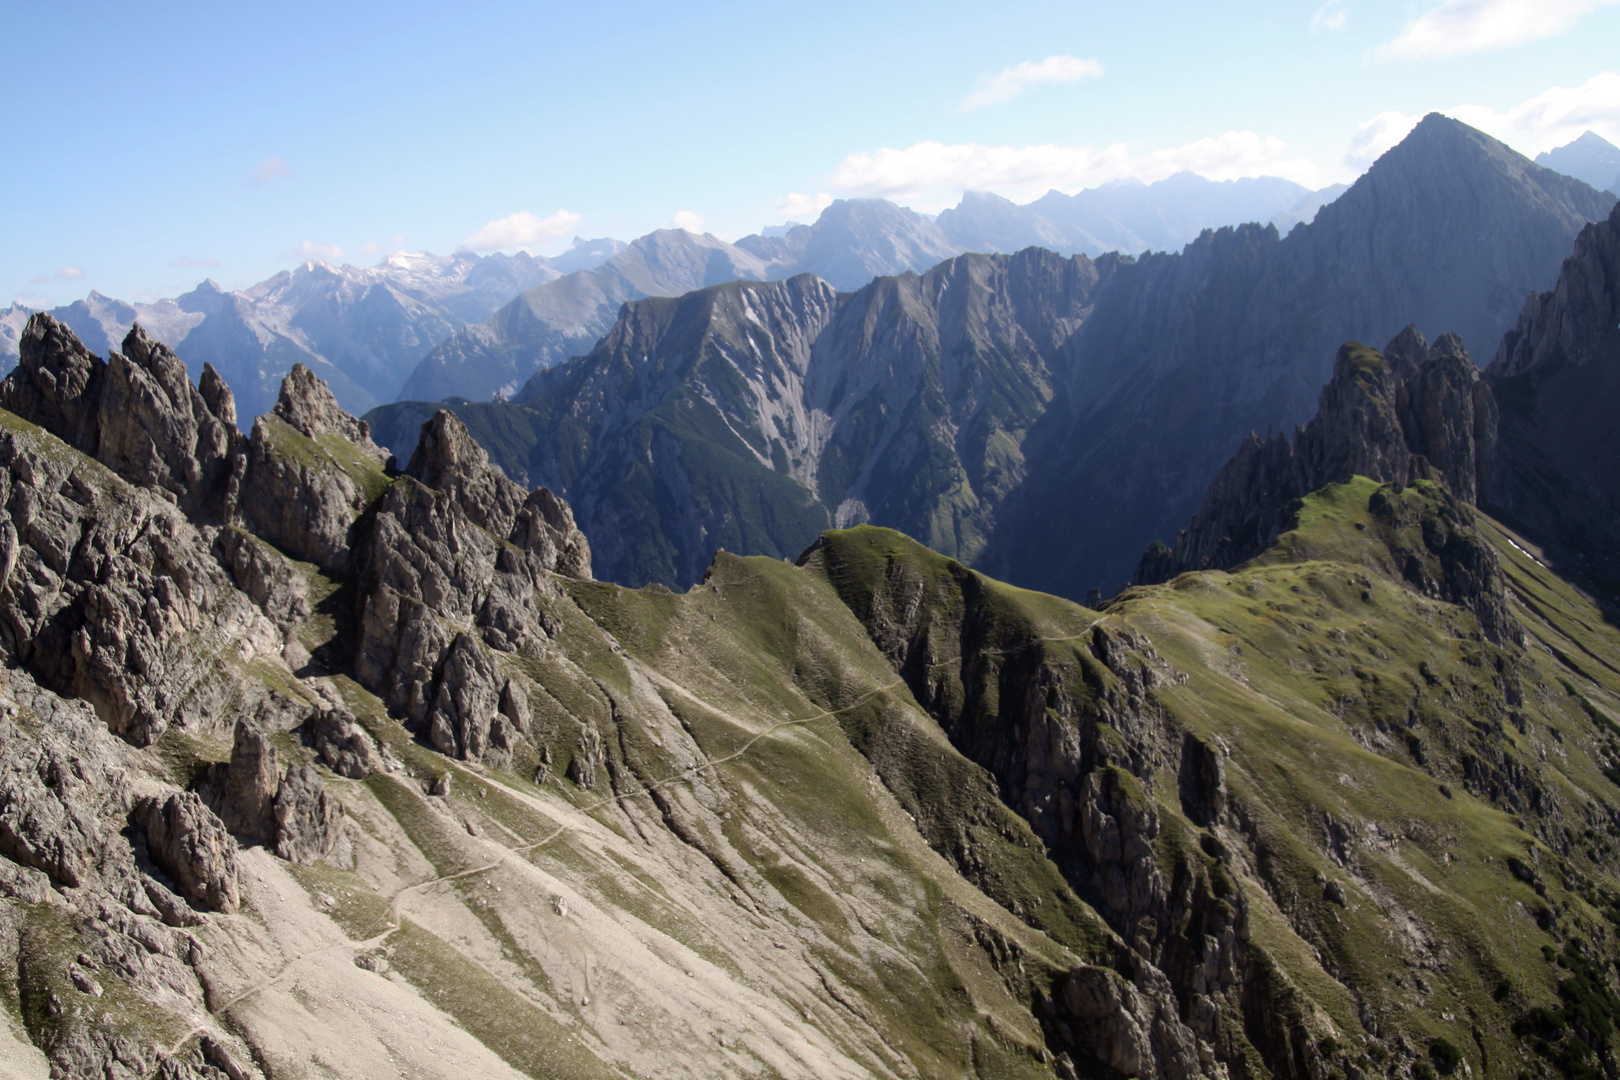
1039	417
316	764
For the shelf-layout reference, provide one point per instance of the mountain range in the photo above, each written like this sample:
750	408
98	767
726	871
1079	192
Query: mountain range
853	241
1590	158
312	764
364	330
1038	416
369	332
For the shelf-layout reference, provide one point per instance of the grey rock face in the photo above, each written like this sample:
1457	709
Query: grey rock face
55	798
471	552
1557	377
458	721
1410	413
281	593
56	384
157	430
261	802
342	744
192	846
137	413
112	596
308	819
243	791
449	460
310	471
308	406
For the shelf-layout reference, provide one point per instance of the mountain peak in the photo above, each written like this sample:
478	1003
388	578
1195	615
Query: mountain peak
1591	159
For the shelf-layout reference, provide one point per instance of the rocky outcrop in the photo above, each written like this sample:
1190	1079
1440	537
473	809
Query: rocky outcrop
264	575
308	819
471	552
192	846
448	460
310	471
159	431
289	809
110	595
1412	412
243	791
137	413
56	794
307	405
341	743
56	384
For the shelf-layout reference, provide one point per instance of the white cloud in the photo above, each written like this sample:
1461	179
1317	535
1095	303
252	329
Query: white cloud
931	176
384	247
309	251
1010	82
1457	27
1552	118
1376	136
271	168
796	207
689	220
66	273
1331	17
522	230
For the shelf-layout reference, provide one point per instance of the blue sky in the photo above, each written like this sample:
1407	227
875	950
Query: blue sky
152	145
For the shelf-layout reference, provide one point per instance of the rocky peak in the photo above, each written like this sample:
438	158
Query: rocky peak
56	383
137	412
157	429
307	403
1411	412
448	459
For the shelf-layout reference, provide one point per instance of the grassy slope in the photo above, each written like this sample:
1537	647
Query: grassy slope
1464	781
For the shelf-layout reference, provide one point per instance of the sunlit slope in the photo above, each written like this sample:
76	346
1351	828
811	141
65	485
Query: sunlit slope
1377	836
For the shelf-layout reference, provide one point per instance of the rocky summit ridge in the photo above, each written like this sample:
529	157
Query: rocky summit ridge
311	764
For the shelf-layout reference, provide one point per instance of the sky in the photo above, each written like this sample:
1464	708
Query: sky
152	145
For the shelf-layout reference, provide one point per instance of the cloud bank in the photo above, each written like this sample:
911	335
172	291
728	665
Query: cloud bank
1554	117
310	251
932	175
1459	27
521	230
1010	82
689	220
66	273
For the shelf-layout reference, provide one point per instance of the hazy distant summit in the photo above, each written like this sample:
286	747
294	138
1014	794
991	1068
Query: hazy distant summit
1591	159
361	330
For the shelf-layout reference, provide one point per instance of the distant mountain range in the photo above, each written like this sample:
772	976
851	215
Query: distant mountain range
362	330
1591	159
421	326
1042	417
853	241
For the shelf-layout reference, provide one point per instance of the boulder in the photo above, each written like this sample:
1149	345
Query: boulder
342	744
